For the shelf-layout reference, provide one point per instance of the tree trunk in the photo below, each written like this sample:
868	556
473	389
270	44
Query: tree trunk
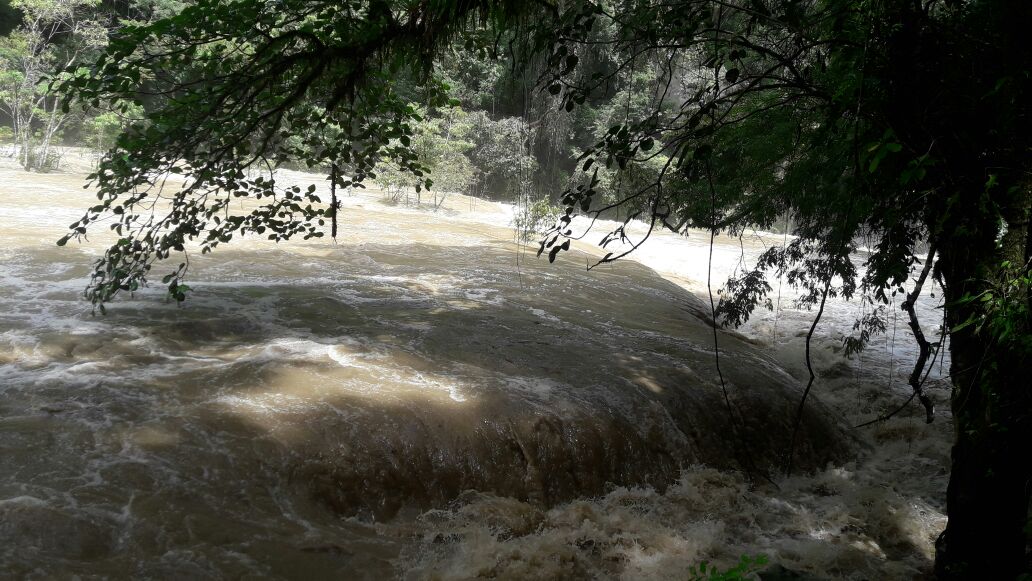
987	498
54	122
987	535
44	151
23	139
26	150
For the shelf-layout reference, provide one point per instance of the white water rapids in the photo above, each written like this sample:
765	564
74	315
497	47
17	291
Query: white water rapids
410	402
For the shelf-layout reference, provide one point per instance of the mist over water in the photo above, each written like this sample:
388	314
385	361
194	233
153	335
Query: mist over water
424	399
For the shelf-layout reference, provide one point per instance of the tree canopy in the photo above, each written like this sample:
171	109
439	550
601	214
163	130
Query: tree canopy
900	126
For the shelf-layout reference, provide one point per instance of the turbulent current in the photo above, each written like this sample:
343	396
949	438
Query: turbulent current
425	399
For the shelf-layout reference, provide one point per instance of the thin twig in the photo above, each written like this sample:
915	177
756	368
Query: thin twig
922	343
740	443
809	384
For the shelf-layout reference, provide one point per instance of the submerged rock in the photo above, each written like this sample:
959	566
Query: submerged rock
560	388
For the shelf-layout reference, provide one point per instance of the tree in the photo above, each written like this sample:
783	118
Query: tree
441	142
900	122
502	153
855	119
99	132
54	35
9	18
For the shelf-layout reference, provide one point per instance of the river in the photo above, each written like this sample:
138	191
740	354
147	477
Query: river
424	399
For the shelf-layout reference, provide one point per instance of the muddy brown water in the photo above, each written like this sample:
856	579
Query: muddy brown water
308	404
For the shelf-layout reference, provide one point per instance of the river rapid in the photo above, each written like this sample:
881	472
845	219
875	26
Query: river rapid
424	399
